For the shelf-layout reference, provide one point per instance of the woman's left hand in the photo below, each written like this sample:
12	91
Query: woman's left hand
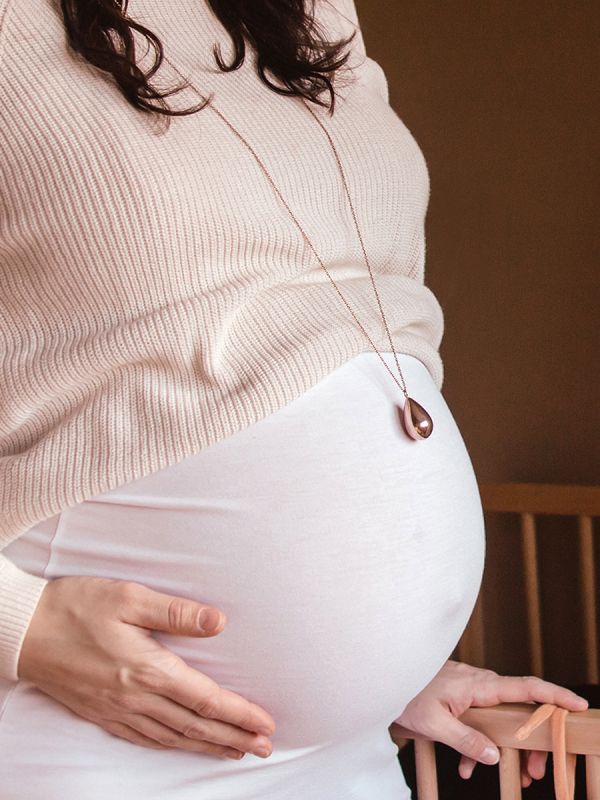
457	687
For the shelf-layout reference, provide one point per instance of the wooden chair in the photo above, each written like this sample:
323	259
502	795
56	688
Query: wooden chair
582	729
528	500
500	723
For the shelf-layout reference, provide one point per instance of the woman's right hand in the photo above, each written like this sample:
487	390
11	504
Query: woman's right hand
89	645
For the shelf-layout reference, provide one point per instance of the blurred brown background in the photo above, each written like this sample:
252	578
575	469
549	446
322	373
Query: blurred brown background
503	101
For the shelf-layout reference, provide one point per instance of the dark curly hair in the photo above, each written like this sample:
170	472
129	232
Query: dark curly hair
288	40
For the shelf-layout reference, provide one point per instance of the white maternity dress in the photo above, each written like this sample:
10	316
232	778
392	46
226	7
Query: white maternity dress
347	558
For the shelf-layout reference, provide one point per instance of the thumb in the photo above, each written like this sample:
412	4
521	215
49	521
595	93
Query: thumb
164	612
470	742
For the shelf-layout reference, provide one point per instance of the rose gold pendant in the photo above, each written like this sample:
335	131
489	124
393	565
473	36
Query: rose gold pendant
417	422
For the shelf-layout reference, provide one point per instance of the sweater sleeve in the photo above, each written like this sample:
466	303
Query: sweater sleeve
19	591
19	595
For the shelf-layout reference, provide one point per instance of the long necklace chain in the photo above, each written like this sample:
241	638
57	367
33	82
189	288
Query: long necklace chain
310	244
417	422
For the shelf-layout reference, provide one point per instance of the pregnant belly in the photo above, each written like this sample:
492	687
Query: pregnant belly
346	556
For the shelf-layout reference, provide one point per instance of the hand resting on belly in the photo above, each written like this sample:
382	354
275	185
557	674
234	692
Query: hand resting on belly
89	645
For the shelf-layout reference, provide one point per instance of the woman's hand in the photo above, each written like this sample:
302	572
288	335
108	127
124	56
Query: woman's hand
457	687
89	645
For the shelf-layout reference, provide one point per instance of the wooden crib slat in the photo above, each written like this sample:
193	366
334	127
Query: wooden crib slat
510	774
426	769
592	777
532	591
471	646
588	596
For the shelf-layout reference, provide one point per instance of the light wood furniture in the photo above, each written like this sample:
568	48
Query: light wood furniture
529	500
499	723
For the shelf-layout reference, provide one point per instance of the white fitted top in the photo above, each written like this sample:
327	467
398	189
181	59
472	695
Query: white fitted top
347	558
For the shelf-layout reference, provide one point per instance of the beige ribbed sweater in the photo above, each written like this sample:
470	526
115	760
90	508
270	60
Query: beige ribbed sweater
156	296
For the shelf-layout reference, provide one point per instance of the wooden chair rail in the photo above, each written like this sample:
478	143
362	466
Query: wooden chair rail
541	498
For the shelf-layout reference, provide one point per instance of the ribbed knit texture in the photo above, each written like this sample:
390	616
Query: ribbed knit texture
156	296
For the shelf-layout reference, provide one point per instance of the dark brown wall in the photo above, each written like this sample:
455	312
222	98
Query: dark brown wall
503	100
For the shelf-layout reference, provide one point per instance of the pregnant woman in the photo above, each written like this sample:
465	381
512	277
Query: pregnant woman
237	515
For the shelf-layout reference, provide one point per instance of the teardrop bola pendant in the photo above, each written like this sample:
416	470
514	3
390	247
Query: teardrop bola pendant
417	422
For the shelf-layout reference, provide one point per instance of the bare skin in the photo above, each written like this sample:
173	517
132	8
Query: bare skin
89	645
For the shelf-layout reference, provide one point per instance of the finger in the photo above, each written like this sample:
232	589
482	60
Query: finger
466	766
173	740
197	728
204	697
140	605
536	763
512	689
125	732
468	741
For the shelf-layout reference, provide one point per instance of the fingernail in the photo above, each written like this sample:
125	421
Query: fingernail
209	619
263	752
490	755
